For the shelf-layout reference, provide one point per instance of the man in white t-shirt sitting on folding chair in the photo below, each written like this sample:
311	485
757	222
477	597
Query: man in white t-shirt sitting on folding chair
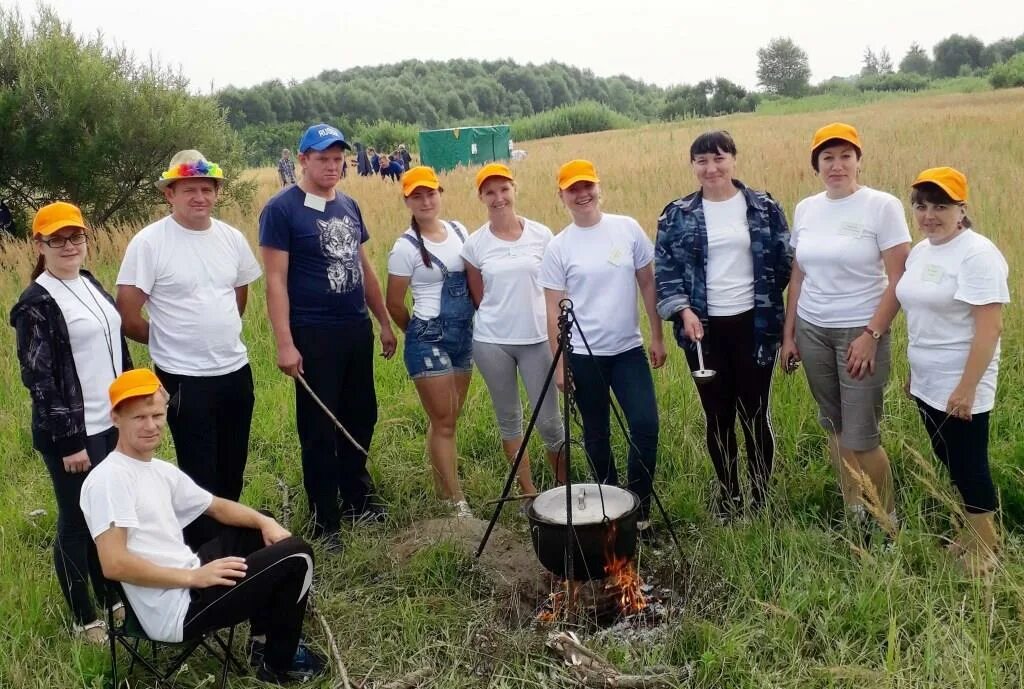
136	507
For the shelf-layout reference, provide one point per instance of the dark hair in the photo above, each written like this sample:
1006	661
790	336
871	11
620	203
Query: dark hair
719	141
929	192
825	144
39	268
424	254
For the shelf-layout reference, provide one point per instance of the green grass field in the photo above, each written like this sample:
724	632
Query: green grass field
784	601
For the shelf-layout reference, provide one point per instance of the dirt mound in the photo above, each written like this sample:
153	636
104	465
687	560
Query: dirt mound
508	561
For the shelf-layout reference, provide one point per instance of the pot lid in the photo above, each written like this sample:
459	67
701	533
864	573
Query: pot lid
587	502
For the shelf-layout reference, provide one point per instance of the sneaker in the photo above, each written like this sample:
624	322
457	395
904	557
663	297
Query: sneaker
372	513
333	543
94	633
254	649
306	664
119	613
727	508
462	510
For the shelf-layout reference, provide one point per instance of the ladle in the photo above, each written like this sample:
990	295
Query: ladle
702	375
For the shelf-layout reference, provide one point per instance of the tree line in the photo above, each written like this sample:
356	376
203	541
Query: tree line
784	70
432	93
88	122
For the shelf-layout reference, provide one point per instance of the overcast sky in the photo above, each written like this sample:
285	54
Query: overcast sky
222	42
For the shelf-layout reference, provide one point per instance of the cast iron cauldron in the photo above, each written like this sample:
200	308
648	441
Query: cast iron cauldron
593	524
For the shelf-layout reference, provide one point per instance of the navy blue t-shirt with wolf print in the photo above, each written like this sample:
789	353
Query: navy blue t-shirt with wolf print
325	274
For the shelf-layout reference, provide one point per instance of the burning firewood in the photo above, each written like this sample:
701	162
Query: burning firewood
594	671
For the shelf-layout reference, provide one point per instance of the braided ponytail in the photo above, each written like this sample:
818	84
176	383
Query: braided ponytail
424	254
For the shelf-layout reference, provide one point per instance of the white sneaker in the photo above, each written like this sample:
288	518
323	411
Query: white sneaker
94	633
462	510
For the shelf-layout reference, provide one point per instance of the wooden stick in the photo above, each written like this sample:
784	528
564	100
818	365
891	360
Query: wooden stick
511	498
320	403
343	682
596	672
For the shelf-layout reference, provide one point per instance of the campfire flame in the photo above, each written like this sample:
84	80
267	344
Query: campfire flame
621	576
622	582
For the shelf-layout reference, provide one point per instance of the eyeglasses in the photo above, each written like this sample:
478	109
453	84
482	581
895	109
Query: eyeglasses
59	242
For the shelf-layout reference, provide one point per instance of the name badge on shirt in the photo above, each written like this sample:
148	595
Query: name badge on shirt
617	257
932	273
317	203
853	230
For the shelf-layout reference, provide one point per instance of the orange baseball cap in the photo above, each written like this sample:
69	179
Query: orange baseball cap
577	171
492	170
138	382
949	179
836	130
56	216
419	176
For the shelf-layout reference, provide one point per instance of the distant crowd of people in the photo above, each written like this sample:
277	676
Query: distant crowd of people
723	258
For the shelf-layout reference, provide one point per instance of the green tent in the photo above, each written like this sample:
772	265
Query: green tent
444	149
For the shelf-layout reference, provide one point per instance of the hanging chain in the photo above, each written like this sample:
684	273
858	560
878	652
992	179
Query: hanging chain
565	322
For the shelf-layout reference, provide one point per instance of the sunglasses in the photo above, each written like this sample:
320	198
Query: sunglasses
59	242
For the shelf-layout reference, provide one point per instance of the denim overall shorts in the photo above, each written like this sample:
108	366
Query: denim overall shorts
444	344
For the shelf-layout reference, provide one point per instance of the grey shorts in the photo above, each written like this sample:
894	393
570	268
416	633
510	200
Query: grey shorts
849	408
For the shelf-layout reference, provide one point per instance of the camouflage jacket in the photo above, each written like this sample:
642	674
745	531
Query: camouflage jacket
680	265
48	370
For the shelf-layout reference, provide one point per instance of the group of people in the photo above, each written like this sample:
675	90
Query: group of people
722	260
387	165
724	257
743	294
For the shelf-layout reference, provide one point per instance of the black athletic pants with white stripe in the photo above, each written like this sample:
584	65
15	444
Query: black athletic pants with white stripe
209	417
740	387
272	595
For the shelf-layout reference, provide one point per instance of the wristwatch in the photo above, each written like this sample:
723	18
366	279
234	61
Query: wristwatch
875	335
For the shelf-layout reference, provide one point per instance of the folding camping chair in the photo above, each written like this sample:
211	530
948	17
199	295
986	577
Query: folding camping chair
130	635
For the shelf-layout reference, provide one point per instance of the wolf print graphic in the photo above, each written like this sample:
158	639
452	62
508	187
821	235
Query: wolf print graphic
339	240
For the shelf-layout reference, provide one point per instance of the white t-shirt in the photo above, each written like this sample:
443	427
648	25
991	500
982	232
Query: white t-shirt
512	310
839	245
937	292
190	277
154	501
405	261
730	267
596	266
94	327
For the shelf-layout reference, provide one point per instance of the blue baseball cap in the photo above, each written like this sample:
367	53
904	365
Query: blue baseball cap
321	136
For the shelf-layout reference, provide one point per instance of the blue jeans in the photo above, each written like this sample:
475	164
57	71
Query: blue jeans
628	375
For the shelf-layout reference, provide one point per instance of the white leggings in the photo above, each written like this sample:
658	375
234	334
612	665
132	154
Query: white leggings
498	364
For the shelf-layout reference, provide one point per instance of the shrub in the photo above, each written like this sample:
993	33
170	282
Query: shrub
385	135
893	82
88	124
1008	74
263	142
580	118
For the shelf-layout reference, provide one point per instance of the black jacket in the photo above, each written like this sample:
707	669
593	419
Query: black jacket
48	370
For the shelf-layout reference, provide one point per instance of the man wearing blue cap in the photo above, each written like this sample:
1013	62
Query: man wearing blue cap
320	285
